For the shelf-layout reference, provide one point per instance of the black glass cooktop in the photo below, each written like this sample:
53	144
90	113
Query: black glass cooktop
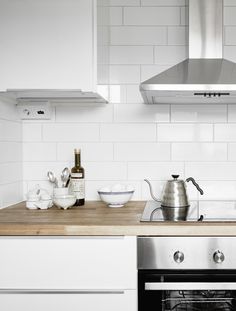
153	213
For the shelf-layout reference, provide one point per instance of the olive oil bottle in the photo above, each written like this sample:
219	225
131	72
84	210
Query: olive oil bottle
77	185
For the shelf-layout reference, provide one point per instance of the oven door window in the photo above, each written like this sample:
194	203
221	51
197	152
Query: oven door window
187	290
190	300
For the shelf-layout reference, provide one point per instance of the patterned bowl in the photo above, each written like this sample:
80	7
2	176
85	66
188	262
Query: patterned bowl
116	199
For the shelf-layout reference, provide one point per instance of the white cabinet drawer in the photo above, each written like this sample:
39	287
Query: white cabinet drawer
116	301
68	263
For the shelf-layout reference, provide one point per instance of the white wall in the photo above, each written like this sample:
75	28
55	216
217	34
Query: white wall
10	154
127	141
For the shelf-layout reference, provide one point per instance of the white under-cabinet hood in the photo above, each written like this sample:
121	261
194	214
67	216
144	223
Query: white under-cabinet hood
204	78
54	96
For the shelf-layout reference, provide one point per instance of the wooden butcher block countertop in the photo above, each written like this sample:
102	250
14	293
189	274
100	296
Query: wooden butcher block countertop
96	219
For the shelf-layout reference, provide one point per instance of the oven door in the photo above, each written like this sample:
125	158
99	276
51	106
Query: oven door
187	290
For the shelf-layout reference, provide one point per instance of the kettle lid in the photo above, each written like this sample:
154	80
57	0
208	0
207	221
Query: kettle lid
175	179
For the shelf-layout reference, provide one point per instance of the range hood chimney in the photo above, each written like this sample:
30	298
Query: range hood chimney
205	77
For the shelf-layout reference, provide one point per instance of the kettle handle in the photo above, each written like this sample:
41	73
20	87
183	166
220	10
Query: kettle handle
195	184
151	192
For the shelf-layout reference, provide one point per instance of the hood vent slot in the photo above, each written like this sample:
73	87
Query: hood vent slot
209	95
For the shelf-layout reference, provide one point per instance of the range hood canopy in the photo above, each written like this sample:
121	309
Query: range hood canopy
54	96
205	77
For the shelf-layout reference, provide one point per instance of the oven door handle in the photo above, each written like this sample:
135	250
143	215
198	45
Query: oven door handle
190	286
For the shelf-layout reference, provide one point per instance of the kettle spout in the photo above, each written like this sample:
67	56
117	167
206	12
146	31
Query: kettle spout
151	192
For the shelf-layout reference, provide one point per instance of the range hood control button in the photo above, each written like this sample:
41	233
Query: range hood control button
218	257
178	257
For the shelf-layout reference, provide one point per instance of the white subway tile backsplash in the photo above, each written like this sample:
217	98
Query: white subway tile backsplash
124	2
152	16
10	152
184	132
218	190
199	151
7	176
124	74
229	15
163	2
106	171
133	95
230	53
141	113
103	16
117	93
149	71
231	113
107	16
154	170
57	132
120	55
13	193
214	210
84	114
230	35
103	56
225	132
39	151
142	152
128	132
10	131
211	170
37	171
229	3
32	132
103	35
232	152
198	113
116	16
103	74
131	35
177	35
89	151
170	54
184	16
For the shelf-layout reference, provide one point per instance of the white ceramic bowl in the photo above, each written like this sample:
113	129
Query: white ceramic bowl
64	201
116	199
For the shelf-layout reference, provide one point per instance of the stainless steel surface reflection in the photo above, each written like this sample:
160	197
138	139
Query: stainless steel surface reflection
153	213
198	253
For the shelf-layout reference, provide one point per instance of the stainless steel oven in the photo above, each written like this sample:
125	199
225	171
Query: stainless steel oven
178	273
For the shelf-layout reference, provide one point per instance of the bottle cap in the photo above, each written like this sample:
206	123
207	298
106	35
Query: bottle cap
77	151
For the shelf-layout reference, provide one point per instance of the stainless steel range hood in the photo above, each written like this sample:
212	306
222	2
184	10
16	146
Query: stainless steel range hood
205	77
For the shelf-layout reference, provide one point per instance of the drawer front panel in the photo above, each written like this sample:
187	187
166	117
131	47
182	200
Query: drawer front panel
125	301
68	263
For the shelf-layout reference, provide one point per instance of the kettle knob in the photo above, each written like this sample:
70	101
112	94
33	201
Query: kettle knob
175	176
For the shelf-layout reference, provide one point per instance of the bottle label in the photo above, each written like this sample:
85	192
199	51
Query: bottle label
77	187
76	175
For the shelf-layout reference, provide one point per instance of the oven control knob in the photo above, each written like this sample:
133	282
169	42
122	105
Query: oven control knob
218	257
178	257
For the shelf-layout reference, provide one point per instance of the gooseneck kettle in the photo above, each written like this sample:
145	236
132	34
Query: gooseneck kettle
174	202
